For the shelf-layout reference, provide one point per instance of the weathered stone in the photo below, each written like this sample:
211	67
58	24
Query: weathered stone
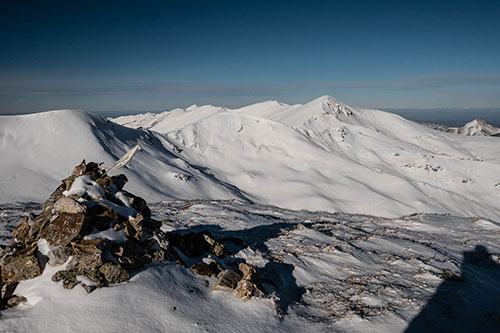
101	216
206	270
161	239
246	290
36	224
21	232
216	247
191	244
64	228
119	181
79	169
15	300
94	275
68	277
68	205
249	271
134	256
88	288
21	265
88	253
105	182
58	256
58	193
227	280
114	273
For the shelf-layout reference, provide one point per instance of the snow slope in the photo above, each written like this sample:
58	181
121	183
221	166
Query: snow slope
323	155
334	273
329	156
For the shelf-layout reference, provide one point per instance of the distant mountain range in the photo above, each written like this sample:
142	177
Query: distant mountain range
322	155
476	127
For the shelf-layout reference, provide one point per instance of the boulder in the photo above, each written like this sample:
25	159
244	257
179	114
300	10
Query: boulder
246	290
21	265
227	280
64	228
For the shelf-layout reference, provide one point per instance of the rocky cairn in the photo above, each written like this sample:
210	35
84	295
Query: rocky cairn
98	232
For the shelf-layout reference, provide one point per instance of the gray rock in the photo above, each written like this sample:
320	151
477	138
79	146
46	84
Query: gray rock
58	256
114	273
68	205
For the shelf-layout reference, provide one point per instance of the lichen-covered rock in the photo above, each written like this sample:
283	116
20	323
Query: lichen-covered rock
114	273
68	277
88	253
13	301
64	228
69	205
227	280
21	265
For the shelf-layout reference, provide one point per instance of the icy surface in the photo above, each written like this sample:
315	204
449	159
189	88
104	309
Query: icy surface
336	272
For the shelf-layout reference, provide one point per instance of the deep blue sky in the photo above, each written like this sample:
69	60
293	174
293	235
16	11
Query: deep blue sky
154	55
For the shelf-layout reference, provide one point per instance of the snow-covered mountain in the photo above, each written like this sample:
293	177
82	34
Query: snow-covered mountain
476	127
323	155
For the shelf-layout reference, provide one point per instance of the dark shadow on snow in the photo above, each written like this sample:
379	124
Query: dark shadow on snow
469	303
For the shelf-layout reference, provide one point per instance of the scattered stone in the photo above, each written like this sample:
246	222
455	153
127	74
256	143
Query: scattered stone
227	280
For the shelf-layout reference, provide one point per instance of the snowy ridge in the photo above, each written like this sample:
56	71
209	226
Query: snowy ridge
323	155
476	127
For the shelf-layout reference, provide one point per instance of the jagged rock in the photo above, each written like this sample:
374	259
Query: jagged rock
68	277
114	273
134	256
206	270
58	256
21	232
80	169
63	228
119	181
161	239
191	244
88	253
36	223
247	286
249	271
21	265
227	280
101	216
68	205
216	247
246	290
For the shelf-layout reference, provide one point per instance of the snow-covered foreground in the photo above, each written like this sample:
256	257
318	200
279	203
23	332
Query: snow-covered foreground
323	155
333	272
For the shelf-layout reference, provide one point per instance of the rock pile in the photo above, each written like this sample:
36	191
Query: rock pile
98	232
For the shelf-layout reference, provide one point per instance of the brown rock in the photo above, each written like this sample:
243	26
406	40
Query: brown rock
79	169
114	273
246	290
227	280
88	253
64	228
14	301
20	233
68	277
21	265
249	271
206	270
134	256
68	205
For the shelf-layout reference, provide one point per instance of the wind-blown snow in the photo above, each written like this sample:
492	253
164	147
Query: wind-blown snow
323	155
334	273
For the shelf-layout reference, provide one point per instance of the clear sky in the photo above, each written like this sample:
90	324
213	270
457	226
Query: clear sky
156	55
